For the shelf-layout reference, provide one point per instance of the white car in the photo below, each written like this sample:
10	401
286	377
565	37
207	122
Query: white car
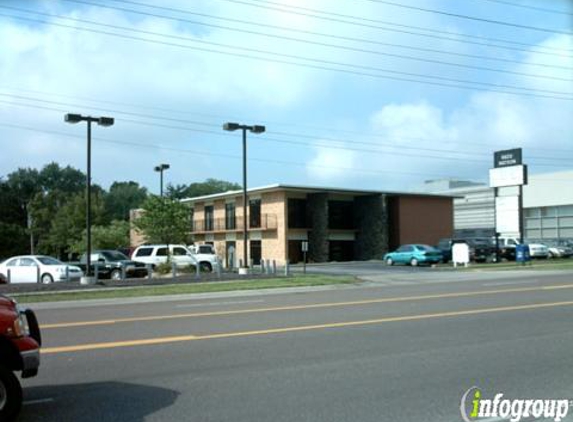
38	268
537	250
181	255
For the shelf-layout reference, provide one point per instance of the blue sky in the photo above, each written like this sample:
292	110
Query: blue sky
354	93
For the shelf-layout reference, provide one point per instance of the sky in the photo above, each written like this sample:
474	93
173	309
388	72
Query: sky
361	94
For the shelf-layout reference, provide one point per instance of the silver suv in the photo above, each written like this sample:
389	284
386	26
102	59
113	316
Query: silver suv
181	255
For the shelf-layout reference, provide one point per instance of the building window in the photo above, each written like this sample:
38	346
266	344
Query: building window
255	213
297	213
340	215
256	252
209	218
230	220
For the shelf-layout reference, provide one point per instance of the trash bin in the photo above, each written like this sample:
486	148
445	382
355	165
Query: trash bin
522	253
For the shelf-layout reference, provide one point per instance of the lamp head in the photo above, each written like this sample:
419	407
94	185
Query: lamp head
258	129
105	121
73	118
231	126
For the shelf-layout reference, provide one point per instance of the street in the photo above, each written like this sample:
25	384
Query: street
405	351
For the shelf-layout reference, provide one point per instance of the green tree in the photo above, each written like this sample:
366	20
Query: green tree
68	223
113	236
122	197
208	187
164	221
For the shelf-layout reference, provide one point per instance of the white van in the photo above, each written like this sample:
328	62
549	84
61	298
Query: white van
181	255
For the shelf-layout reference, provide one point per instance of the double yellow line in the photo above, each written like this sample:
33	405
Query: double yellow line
187	338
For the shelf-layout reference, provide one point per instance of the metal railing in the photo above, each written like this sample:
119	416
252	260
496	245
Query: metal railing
266	222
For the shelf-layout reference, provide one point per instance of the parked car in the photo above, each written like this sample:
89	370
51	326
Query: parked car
110	264
3	279
414	255
20	342
27	269
559	251
538	250
506	247
181	255
481	250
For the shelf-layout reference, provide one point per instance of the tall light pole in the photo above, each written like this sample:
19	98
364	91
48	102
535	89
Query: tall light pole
257	129
161	168
102	121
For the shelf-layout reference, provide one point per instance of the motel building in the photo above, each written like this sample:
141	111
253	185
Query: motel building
338	224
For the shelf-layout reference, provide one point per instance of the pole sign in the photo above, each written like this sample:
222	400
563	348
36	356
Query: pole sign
304	246
507	158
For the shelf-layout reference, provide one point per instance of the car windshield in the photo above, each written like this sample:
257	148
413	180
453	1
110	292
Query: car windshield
114	256
426	248
48	260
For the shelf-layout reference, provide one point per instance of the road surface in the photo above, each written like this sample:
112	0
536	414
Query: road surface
376	352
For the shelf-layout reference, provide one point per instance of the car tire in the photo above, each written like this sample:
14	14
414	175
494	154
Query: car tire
46	279
205	266
414	262
115	275
389	262
10	395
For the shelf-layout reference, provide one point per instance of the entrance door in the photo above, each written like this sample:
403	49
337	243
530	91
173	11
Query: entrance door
230	254
256	252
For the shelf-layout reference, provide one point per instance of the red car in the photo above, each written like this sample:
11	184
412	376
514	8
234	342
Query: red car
20	342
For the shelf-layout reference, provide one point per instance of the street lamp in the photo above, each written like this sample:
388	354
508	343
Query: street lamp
161	168
102	121
257	129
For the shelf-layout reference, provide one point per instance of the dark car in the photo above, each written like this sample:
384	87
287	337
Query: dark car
3	279
481	250
110	264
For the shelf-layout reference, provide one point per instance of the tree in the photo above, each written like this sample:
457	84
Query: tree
208	187
164	221
122	197
113	236
67	221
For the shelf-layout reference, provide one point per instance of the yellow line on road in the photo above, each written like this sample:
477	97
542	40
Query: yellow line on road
299	307
165	340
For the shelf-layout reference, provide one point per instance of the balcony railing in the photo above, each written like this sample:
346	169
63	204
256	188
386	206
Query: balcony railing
267	222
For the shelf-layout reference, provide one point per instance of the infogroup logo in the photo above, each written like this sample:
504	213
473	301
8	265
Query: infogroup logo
474	407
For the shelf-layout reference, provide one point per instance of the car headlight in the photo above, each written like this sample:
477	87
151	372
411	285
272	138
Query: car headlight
19	327
61	269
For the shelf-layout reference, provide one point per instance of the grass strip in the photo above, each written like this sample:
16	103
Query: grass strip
174	289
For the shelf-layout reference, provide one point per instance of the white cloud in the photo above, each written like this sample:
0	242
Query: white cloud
331	165
470	132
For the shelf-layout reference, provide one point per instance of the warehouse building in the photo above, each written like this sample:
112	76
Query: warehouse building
547	207
338	224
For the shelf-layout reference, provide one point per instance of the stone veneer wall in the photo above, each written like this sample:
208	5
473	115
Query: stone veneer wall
371	222
317	218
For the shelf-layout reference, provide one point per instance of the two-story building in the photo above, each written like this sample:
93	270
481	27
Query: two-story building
338	224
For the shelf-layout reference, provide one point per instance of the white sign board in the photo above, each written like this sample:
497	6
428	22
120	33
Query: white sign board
304	246
507	214
507	176
460	253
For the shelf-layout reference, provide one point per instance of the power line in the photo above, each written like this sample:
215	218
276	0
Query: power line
306	32
230	156
285	9
299	40
267	122
526	6
473	18
329	146
322	64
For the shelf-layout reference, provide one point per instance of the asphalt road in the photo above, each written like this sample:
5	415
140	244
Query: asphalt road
401	352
